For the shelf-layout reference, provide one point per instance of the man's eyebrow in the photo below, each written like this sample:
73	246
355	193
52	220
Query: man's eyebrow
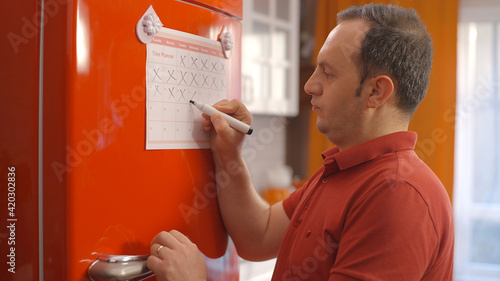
324	64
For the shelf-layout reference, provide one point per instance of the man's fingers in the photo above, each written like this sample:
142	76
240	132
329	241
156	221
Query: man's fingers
219	123
180	237
234	108
170	239
165	239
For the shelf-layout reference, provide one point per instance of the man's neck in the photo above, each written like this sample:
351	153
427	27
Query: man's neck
370	135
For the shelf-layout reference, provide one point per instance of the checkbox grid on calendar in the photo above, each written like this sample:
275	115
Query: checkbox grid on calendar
181	67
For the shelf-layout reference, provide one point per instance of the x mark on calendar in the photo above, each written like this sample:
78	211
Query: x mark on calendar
181	67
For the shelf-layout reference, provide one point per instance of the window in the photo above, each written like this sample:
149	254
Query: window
477	148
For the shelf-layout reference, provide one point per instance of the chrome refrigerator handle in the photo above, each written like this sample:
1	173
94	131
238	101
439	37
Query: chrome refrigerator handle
120	268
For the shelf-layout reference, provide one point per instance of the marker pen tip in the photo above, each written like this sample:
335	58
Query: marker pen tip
191	101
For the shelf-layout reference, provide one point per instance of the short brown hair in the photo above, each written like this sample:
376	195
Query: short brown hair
398	45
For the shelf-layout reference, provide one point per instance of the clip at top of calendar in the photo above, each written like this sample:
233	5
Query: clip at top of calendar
226	40
148	26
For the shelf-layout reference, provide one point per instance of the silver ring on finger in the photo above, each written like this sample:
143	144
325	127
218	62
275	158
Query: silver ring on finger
158	251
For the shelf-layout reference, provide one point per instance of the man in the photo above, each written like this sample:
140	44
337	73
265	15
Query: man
374	211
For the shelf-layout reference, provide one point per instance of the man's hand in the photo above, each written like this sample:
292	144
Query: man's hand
175	257
226	141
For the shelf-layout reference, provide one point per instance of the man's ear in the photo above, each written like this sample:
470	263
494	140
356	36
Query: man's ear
382	87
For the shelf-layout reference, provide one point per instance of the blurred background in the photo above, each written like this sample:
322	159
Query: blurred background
458	122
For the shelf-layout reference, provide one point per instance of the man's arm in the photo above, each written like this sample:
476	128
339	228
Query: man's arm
255	227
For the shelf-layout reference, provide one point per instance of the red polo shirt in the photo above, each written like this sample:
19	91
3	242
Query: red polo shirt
372	212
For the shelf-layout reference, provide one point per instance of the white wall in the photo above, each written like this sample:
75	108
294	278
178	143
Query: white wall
265	149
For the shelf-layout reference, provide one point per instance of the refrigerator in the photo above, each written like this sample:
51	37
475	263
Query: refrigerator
82	186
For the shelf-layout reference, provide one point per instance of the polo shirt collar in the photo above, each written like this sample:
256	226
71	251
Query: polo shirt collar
369	150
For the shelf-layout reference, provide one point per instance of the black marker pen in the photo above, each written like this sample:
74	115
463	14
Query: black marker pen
233	122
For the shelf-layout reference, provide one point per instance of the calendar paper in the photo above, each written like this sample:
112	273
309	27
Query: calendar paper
181	67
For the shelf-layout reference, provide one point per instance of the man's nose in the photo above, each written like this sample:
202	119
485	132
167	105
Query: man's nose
312	86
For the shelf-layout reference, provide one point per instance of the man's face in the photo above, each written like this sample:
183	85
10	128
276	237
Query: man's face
334	83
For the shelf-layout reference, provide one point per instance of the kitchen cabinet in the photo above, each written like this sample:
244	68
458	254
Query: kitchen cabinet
270	56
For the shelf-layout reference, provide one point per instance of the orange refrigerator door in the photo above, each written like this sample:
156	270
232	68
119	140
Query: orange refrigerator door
19	150
78	146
